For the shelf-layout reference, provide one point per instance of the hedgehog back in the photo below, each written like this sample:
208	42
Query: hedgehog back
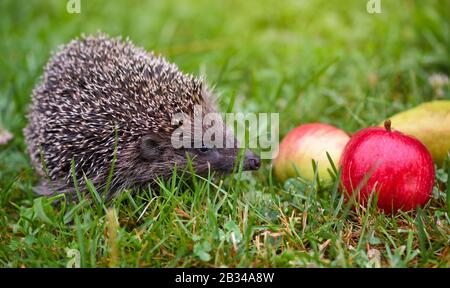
96	88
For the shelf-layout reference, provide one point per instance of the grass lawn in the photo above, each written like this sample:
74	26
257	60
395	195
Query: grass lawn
326	61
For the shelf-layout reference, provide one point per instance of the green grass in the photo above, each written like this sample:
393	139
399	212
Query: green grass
327	61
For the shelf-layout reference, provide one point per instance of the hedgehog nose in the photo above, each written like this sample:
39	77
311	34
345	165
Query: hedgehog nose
252	161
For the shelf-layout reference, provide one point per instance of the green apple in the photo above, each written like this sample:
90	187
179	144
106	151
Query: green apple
306	143
430	123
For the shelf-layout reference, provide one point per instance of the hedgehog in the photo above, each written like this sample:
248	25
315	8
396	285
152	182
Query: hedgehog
103	111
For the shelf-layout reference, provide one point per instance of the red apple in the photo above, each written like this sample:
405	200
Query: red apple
397	167
306	143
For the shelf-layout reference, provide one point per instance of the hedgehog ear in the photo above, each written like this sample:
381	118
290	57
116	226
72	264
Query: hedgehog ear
149	147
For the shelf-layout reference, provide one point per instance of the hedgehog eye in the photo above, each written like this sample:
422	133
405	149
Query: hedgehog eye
204	149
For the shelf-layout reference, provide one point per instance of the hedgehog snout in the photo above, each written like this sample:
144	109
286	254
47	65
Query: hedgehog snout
252	161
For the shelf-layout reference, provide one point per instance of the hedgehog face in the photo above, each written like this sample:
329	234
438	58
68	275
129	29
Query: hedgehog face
210	147
203	160
221	160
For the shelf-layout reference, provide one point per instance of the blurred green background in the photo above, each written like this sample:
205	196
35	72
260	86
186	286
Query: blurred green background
328	61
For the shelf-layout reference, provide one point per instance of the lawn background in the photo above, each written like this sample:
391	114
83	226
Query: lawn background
327	61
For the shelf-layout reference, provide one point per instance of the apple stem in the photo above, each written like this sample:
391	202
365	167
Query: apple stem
387	125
